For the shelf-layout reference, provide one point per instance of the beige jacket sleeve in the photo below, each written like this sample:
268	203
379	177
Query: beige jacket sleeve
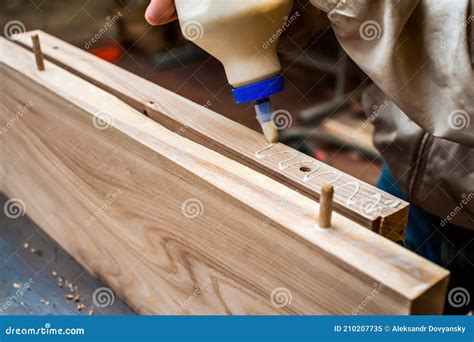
418	53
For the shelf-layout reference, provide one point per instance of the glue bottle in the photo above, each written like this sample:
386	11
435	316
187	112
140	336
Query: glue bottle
243	35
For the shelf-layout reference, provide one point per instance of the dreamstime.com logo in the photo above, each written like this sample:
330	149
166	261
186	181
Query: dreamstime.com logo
286	25
377	110
109	22
281	119
19	293
458	297
192	208
374	205
102	120
192	30
377	287
14	208
281	297
106	205
103	297
459	208
12	28
197	292
370	30
459	119
46	330
22	110
468	21
199	113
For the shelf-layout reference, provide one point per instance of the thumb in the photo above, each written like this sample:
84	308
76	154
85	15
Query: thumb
160	12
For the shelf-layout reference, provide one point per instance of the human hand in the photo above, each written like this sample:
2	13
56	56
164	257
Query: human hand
160	12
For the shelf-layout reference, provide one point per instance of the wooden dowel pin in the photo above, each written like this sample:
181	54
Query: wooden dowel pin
38	53
325	206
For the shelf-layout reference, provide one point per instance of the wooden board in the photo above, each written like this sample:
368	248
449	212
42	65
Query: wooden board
357	133
359	201
117	197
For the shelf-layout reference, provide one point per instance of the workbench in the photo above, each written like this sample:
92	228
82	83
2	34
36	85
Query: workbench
27	252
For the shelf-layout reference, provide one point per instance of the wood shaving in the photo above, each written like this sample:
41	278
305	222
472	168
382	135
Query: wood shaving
45	302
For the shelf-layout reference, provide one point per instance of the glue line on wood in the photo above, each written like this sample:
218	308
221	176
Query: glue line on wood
371	205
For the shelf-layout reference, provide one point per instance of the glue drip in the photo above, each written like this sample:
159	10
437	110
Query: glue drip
264	110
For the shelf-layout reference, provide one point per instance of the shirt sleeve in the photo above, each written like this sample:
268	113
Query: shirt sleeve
418	53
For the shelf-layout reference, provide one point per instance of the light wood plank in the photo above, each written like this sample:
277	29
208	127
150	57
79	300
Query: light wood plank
254	236
358	200
358	133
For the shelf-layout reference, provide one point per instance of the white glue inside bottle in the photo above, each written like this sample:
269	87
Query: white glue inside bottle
243	36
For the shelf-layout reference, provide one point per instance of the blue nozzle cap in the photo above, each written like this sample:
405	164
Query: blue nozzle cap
259	90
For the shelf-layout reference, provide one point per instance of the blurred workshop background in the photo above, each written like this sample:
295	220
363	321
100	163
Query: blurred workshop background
321	110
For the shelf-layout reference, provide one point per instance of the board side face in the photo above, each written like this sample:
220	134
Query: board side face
363	203
119	208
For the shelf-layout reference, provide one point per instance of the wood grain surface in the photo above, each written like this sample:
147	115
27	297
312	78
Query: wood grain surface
176	228
363	203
